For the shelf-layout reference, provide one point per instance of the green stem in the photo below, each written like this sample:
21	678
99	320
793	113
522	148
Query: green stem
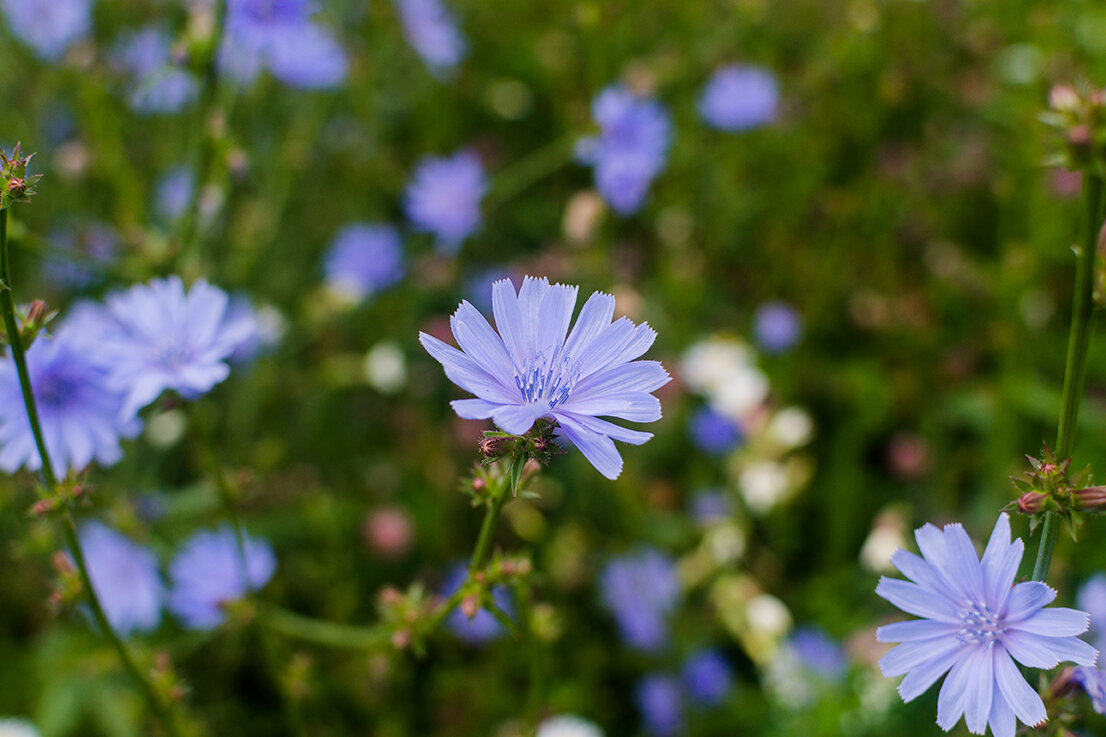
1082	321
530	169
484	539
226	492
321	632
19	355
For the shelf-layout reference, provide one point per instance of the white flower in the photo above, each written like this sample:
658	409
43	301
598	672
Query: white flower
568	725
764	484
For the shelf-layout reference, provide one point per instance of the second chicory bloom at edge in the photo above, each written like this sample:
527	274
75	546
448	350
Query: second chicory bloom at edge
976	622
534	367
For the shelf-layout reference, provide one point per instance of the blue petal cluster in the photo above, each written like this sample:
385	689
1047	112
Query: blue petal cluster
483	627
739	97
363	260
79	410
48	26
818	652
84	252
173	193
707	677
631	148
125	577
661	705
976	622
713	432
1091	598
158	86
1093	683
206	574
641	589
431	29
777	327
534	367
280	35
443	198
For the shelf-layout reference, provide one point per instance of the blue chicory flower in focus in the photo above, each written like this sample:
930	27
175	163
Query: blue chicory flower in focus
713	432
707	677
159	86
777	327
1091	598
1093	683
483	627
79	410
818	652
536	368
280	35
207	573
443	198
630	149
364	259
158	336
48	26
660	704
976	622
739	97
431	29
641	589
125	577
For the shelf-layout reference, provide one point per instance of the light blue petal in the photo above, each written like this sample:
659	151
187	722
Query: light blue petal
1031	650
1071	649
554	315
514	419
602	427
595	315
910	655
921	678
474	409
1026	598
1019	695
599	352
508	320
1001	719
955	692
934	547
463	371
530	296
964	561
632	406
639	376
916	629
994	555
918	570
981	688
1053	622
913	599
598	449
480	343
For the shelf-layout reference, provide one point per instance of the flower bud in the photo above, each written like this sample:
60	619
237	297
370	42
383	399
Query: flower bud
401	639
390	596
1031	502
470	606
1092	498
1063	98
497	446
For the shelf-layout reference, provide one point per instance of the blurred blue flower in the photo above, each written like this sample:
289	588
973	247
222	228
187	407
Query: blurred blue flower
262	327
157	336
641	589
174	193
710	505
659	701
78	410
631	147
532	371
159	86
707	677
48	26
739	97
714	432
483	627
1091	598
364	259
819	652
443	198
431	29
279	35
777	327
207	574
125	577
976	621
83	254
1093	683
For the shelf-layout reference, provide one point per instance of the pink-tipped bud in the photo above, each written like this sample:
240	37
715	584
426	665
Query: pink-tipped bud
1093	497
496	446
469	606
401	639
1063	98
63	564
17	187
523	566
390	596
1031	502
479	484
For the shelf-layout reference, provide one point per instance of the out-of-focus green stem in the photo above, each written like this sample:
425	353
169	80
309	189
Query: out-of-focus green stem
484	539
1082	321
15	340
532	168
322	632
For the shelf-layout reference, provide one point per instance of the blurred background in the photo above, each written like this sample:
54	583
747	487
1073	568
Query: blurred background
835	215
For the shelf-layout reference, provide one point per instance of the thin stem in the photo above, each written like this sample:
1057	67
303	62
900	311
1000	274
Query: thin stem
1082	321
321	632
530	169
484	539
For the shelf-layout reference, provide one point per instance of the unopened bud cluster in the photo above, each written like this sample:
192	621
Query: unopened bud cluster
15	184
537	444
407	615
1079	119
59	498
1047	487
33	319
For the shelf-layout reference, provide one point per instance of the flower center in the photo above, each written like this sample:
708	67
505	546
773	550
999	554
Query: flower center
549	378
54	390
979	625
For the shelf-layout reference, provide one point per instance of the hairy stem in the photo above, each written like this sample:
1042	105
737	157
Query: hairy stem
1082	321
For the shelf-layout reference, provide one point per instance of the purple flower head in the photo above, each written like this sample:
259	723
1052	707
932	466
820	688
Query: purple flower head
279	35
738	98
976	622
631	147
1093	683
532	370
819	652
1091	598
174	193
207	574
364	259
483	627
48	26
159	336
78	408
713	432
431	29
444	196
777	327
710	505
159	87
707	677
658	700
641	589
84	253
125	577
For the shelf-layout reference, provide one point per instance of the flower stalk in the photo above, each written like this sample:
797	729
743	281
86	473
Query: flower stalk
1078	343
